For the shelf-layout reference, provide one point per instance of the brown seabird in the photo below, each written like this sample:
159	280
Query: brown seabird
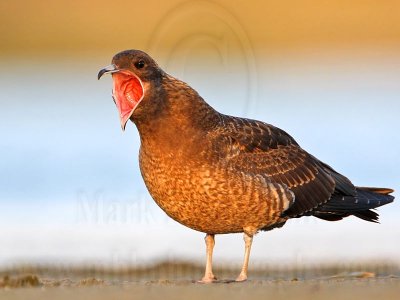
221	174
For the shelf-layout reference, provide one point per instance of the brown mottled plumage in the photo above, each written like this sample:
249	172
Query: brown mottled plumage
221	174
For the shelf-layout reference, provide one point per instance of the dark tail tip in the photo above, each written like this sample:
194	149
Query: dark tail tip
367	215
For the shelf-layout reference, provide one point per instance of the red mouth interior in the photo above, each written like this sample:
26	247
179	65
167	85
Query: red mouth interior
128	92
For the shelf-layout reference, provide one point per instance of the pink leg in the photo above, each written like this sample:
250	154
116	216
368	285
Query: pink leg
208	275
248	239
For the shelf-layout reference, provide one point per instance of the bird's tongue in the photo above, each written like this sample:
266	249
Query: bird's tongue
127	93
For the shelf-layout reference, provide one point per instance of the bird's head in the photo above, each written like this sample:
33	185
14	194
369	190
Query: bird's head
134	75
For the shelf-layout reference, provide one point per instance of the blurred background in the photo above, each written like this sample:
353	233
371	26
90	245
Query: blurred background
327	72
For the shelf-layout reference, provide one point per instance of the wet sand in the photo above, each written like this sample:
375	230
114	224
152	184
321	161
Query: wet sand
168	280
382	288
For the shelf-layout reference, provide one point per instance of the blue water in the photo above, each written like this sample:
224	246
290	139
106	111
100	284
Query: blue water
60	131
61	144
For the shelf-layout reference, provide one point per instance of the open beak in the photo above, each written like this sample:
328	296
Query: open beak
128	91
108	70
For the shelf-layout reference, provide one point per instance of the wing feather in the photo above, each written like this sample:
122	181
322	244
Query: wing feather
262	149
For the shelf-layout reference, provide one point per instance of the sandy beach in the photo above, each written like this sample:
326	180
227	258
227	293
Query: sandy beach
176	281
383	288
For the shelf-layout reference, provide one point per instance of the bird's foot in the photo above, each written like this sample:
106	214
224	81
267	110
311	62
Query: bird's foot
210	278
242	277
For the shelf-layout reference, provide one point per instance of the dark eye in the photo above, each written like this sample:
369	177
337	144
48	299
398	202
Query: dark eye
139	64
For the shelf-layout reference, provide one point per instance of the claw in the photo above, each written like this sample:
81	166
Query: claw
208	279
241	278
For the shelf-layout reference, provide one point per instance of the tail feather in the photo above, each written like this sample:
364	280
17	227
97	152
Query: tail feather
359	205
382	191
367	215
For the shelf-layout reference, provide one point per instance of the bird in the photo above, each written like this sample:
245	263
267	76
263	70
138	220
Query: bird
221	174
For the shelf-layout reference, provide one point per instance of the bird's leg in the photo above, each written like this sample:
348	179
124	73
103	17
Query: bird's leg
248	239
208	275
